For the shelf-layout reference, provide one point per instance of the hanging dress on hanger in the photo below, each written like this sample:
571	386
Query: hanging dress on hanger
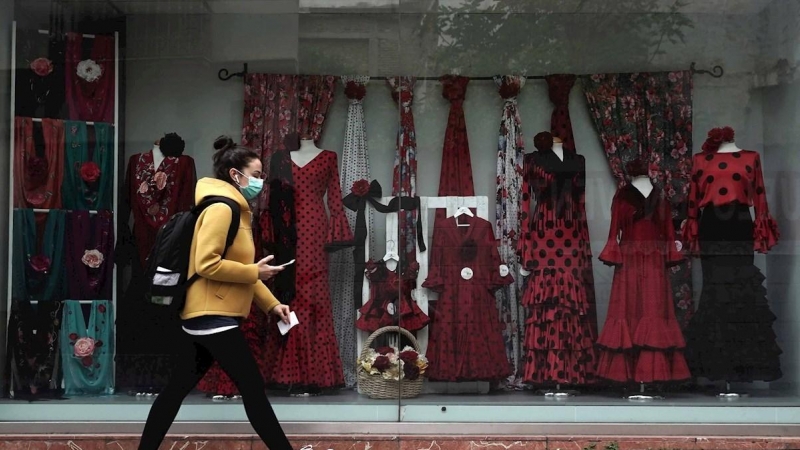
90	255
466	335
33	332
89	166
41	78
38	163
87	348
90	77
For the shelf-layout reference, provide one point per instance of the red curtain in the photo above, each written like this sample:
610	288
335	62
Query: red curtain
558	88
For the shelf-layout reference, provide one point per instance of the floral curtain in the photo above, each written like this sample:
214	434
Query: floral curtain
355	167
558	88
270	113
315	93
649	115
510	154
404	180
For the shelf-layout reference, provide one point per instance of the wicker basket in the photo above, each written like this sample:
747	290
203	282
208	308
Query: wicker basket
375	386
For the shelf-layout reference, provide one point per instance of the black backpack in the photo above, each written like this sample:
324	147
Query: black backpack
168	261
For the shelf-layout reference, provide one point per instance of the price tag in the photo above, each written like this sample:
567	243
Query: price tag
466	273
390	308
678	245
503	270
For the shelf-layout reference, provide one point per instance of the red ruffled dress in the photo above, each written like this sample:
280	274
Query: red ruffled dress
554	247
390	290
466	334
730	337
641	340
308	356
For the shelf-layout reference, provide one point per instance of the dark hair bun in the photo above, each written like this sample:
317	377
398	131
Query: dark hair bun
223	143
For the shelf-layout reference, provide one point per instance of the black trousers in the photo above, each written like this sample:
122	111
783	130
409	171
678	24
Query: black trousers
230	349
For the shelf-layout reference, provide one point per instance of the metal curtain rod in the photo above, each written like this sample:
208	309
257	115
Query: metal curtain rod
715	72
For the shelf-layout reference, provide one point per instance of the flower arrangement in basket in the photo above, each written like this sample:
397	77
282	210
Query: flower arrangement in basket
389	373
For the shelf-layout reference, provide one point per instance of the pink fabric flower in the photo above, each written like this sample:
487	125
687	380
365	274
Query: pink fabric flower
92	258
161	180
40	263
83	347
143	188
42	67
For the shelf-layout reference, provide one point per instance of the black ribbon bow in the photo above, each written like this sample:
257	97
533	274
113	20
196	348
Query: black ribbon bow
358	203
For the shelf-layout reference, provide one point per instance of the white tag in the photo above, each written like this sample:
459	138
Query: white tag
466	273
34	332
678	245
390	308
503	270
284	327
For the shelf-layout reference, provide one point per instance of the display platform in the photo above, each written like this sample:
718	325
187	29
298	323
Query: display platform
503	408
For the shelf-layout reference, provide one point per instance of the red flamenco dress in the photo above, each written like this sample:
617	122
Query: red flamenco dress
388	306
641	341
308	356
466	336
554	248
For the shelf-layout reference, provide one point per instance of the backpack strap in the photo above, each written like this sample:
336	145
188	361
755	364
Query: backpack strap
232	229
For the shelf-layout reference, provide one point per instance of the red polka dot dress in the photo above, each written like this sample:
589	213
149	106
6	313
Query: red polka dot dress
308	356
389	305
554	247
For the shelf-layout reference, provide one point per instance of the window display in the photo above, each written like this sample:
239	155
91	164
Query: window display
597	243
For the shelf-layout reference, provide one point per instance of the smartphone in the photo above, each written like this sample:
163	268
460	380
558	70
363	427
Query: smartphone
287	264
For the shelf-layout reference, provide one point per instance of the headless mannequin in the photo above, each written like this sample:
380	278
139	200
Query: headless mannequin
158	156
558	148
643	184
306	153
728	147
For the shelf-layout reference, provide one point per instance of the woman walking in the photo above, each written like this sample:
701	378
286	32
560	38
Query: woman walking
218	301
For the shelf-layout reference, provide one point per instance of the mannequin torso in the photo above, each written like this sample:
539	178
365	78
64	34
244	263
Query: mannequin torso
643	184
306	153
558	149
158	157
729	147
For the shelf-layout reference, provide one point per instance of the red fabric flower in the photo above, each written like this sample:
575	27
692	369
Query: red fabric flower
716	137
153	209
101	308
73	336
509	88
98	344
409	356
360	188
411	371
385	350
40	263
355	91
87	361
37	169
381	363
90	172
42	67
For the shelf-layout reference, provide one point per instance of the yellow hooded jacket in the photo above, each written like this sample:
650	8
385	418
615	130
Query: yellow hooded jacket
226	287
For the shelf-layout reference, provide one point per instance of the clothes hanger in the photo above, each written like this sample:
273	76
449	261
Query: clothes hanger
462	211
391	254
